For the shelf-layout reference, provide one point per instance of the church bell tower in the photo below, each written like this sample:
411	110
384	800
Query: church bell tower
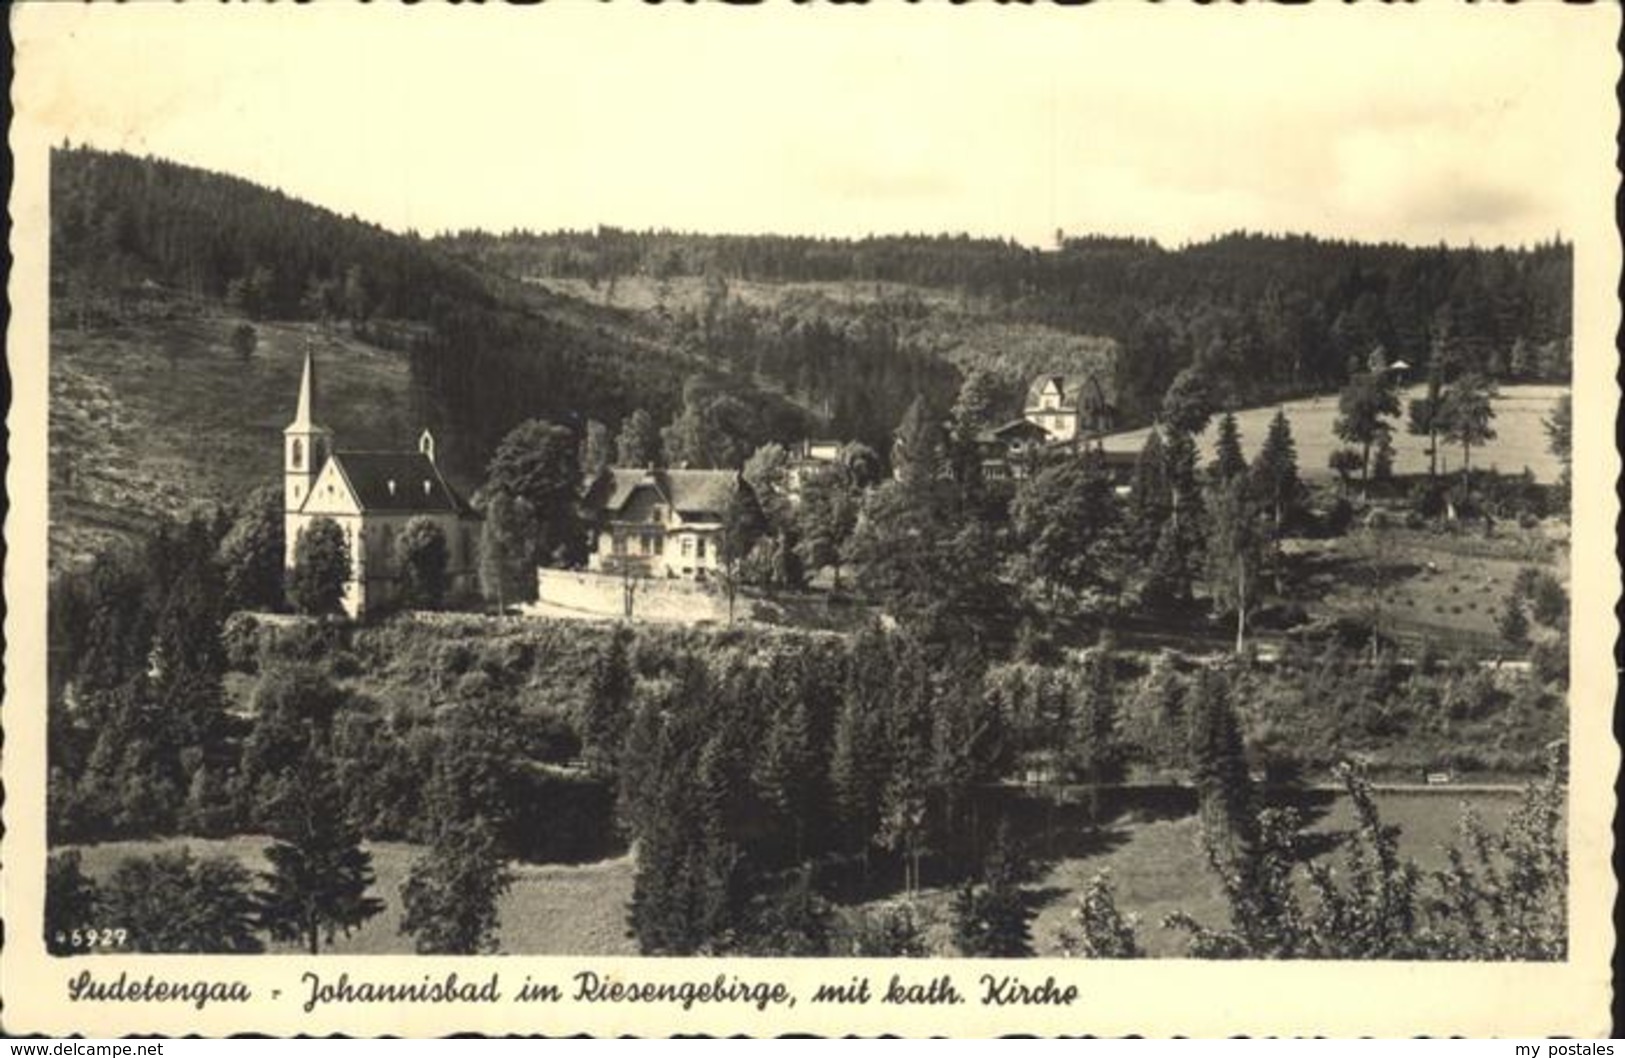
305	445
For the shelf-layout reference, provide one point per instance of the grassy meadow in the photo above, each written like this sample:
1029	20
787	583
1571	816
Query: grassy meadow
1520	438
1155	862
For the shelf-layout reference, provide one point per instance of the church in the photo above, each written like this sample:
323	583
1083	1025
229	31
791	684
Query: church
372	496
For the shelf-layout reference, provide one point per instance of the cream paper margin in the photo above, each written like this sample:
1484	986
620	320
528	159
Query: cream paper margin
1157	998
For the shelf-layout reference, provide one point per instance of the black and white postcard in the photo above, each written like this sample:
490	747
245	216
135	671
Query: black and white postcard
887	518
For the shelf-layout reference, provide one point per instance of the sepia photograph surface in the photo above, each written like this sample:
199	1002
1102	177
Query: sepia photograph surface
906	519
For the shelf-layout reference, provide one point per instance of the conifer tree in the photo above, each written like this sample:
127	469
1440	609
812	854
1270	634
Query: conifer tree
994	919
452	891
1218	768
171	902
1228	462
608	717
787	771
860	755
919	451
319	879
1095	754
1150	498
1275	478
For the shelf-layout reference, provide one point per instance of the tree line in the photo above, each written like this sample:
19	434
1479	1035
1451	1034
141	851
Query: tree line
1276	315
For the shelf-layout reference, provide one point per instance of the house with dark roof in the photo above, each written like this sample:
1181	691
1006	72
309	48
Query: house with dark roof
1011	450
372	496
657	523
1069	407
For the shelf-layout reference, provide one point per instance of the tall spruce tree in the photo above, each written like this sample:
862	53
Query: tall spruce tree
1218	768
1275	478
1150	498
1228	462
451	893
319	879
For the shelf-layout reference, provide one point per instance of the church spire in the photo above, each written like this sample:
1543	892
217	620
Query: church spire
307	391
305	445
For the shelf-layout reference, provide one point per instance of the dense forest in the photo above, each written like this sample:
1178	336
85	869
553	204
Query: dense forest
1278	315
485	353
1273	316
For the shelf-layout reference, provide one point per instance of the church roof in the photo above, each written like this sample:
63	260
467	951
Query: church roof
398	482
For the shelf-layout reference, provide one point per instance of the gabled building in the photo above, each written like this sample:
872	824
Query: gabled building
658	523
371	495
1068	407
1011	450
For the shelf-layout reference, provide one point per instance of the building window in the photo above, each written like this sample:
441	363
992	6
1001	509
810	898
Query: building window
688	546
699	548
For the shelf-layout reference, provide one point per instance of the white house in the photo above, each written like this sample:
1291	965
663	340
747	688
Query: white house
658	523
1068	407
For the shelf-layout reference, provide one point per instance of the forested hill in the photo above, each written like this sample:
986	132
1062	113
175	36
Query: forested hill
485	352
1276	315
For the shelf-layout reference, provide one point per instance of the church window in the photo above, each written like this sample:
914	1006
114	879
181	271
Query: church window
297	458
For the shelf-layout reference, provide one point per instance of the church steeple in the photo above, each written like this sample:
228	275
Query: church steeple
305	445
307	391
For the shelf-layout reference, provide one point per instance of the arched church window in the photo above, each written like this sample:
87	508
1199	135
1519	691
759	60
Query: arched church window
298	454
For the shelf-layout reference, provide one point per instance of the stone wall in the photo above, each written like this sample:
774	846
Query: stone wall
653	599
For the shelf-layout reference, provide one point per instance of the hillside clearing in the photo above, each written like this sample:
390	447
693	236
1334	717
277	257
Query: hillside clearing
1520	438
152	416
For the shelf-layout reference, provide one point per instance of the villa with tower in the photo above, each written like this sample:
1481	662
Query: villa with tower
372	496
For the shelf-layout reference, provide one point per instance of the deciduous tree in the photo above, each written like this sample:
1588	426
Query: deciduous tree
252	553
1468	412
1364	406
421	557
321	568
536	466
638	443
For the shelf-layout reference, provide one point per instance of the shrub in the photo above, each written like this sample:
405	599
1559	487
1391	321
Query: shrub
890	931
240	637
